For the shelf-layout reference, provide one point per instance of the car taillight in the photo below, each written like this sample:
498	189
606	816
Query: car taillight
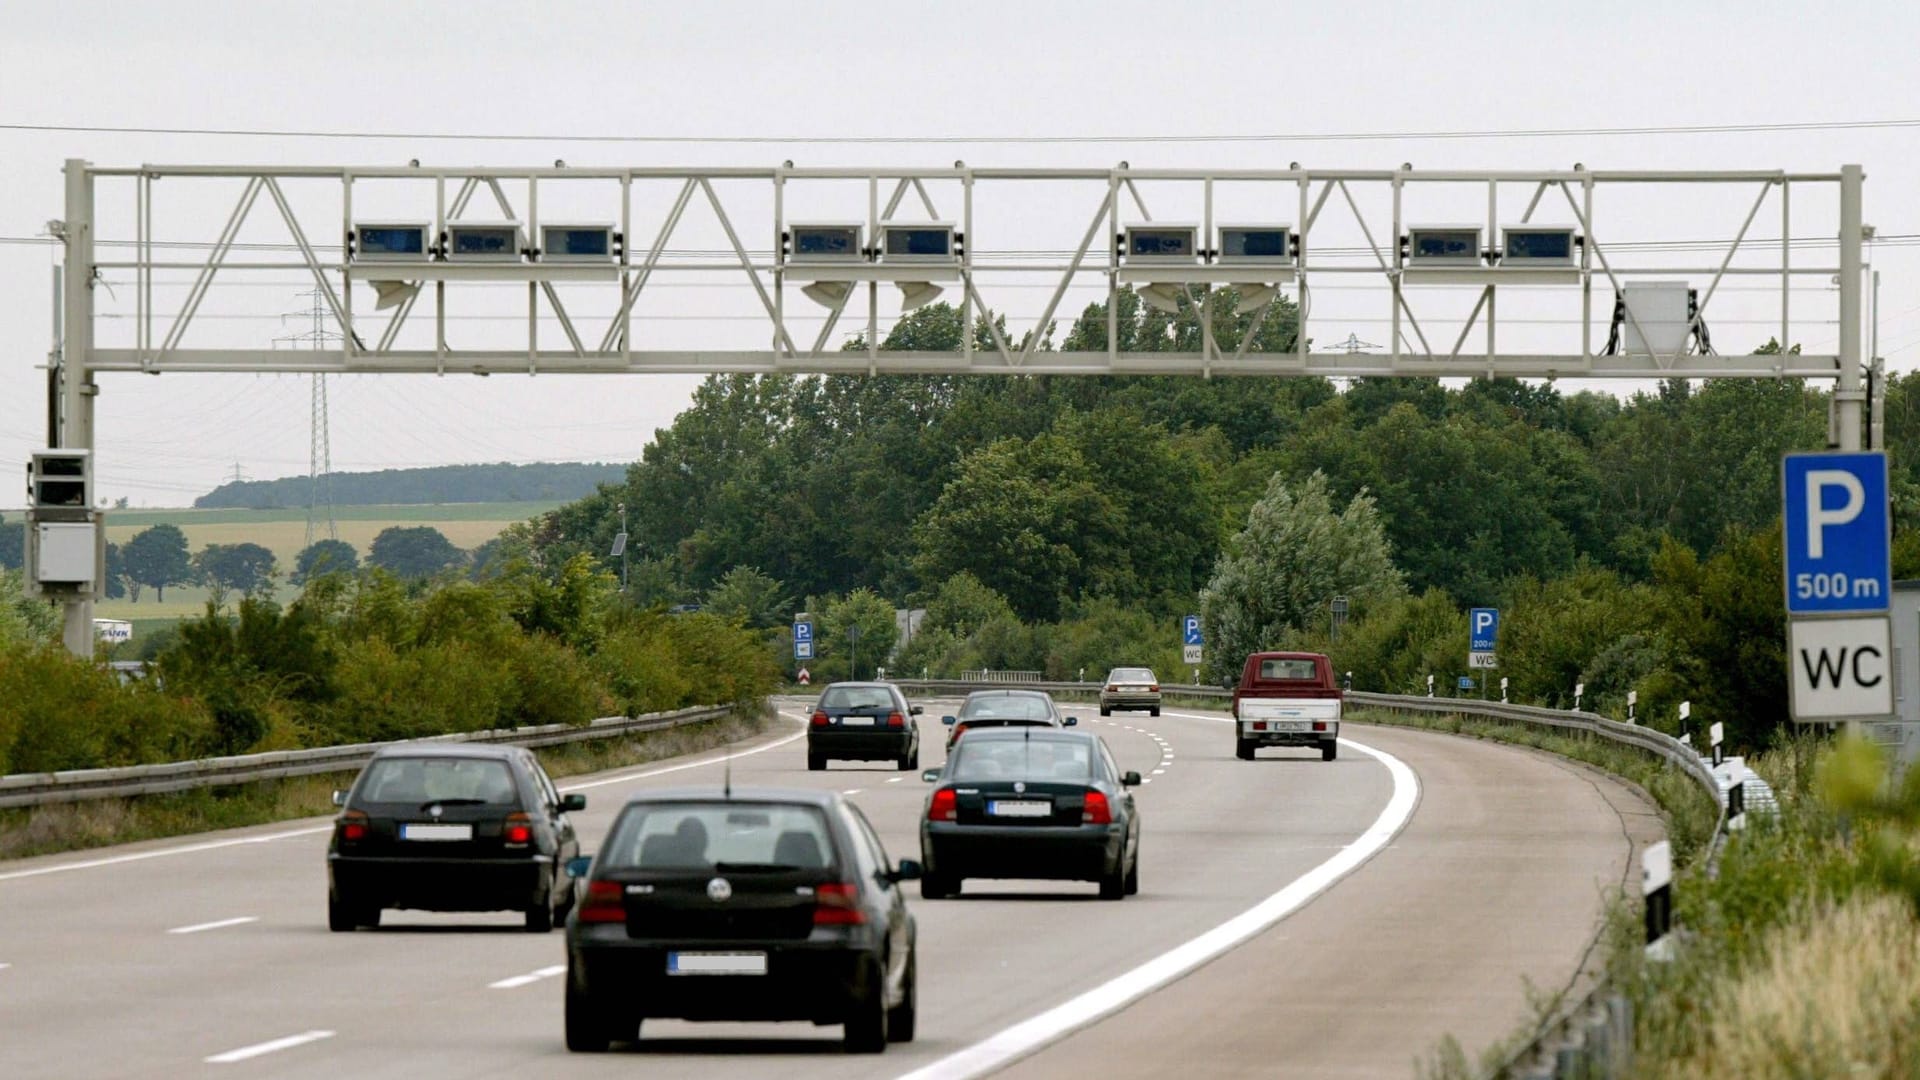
819	719
1097	811
958	730
1112	689
605	902
353	826
944	807
896	720
518	831
837	903
1319	725
1154	689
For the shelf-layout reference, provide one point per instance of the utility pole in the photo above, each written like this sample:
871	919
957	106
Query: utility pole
77	388
1848	395
320	435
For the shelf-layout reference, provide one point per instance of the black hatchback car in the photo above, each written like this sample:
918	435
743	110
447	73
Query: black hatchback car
864	722
1029	802
451	827
756	905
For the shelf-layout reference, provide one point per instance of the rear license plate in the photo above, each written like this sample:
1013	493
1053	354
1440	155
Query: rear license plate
436	832
716	963
1290	725
1019	808
856	721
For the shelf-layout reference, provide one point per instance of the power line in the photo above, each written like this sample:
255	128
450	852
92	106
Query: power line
946	140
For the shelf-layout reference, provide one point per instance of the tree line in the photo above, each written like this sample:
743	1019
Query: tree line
502	482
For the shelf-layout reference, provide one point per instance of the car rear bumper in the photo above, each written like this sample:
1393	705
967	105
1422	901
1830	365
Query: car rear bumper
513	884
1261	733
805	980
862	745
1129	701
1041	852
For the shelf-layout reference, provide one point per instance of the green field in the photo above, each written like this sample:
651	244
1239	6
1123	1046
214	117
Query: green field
284	532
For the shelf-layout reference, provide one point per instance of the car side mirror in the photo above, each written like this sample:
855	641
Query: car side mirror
908	870
339	798
1129	779
1072	720
570	803
947	720
931	776
915	710
577	867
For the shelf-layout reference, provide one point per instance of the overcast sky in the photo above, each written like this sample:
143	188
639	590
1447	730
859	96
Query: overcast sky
980	69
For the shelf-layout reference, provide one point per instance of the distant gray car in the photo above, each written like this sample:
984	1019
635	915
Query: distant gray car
1130	688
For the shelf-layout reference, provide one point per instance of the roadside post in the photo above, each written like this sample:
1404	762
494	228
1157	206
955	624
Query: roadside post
1714	735
1579	691
1656	889
1503	689
1633	698
1737	805
1429	686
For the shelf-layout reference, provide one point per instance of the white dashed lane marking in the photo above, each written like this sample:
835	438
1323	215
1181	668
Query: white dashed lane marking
197	927
531	977
258	1049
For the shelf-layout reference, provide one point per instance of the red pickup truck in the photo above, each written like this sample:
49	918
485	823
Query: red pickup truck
1287	699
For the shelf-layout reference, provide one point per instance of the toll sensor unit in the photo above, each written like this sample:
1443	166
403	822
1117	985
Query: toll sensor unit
485	242
392	241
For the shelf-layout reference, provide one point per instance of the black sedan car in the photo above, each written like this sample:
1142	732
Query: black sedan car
1005	708
451	827
749	905
865	722
1026	802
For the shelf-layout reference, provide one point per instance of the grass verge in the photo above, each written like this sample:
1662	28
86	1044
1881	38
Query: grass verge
76	826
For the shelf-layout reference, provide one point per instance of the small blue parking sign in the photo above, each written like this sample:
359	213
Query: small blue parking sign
1190	631
1839	543
803	641
1484	627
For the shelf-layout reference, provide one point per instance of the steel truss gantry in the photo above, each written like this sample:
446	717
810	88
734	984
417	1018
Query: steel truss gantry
320	202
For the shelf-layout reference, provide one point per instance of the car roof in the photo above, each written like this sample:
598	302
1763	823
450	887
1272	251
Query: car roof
449	750
1011	693
715	793
859	686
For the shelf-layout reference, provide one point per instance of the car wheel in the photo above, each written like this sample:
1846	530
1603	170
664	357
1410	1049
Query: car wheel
1104	711
866	1031
900	1018
539	918
936	887
1155	711
1114	886
1133	877
1243	749
587	1030
816	762
340	917
369	917
1329	750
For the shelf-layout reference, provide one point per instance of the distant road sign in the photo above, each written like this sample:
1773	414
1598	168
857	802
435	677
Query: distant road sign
1841	668
1483	628
1190	654
1838	533
1466	682
1190	631
1482	660
803	631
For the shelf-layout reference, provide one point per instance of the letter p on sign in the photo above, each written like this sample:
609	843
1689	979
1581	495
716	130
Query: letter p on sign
1819	517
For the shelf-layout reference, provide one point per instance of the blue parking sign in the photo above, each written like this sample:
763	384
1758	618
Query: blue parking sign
1484	627
803	641
1190	631
1839	541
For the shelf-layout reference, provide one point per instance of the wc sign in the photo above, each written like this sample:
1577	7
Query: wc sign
1839	580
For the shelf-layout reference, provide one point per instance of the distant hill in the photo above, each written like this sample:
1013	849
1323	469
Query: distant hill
413	487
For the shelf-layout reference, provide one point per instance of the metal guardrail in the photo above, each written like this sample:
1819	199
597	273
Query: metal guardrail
40	789
1590	1037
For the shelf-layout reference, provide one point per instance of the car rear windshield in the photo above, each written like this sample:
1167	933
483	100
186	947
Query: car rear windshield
1022	759
429	779
1295	670
1131	674
1010	707
856	697
705	835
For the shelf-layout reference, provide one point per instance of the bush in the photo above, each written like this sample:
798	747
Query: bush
61	712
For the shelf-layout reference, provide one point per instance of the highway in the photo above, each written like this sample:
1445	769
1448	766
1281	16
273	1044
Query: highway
1359	910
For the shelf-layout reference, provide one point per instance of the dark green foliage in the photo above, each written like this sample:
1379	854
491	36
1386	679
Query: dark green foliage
408	487
156	557
324	557
413	551
245	568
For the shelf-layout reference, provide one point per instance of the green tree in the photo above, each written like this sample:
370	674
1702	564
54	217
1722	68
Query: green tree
245	568
856	633
116	572
963	605
157	557
324	557
413	551
754	598
1278	574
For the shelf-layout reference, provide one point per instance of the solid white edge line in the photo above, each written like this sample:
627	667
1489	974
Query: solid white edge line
1022	1039
214	845
197	927
258	1049
4	967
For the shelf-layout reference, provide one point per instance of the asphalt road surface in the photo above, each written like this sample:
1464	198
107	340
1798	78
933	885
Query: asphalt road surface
1295	918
